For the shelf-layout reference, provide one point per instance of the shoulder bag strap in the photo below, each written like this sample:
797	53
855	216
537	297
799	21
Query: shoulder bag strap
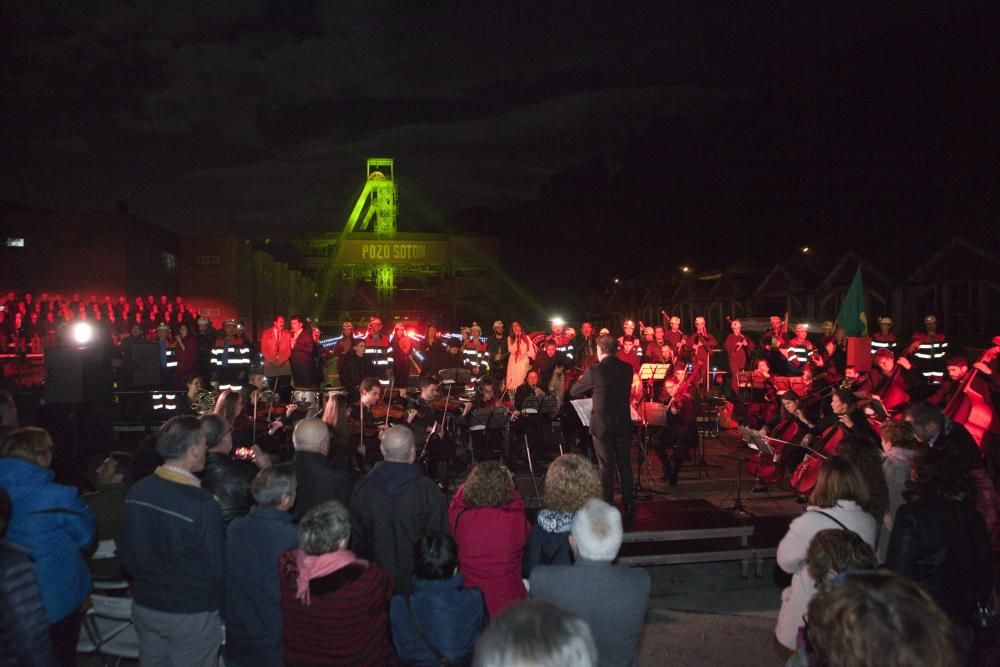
443	661
834	519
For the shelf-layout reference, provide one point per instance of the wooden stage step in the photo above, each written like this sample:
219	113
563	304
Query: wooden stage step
693	530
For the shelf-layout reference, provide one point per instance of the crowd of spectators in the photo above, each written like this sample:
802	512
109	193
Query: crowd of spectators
896	545
315	562
30	325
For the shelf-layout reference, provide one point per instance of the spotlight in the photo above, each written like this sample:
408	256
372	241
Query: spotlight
558	321
82	333
805	250
617	281
685	269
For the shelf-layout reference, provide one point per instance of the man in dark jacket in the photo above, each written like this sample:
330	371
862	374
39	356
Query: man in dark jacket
393	506
317	481
226	479
173	546
253	596
610	380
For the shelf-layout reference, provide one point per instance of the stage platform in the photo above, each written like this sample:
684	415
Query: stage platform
698	520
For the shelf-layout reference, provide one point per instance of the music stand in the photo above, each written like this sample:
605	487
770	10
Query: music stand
455	375
484	420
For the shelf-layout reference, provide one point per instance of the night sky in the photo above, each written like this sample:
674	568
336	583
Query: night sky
633	136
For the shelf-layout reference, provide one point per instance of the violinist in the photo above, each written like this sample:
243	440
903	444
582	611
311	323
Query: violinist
889	380
738	348
425	417
681	431
421	415
364	423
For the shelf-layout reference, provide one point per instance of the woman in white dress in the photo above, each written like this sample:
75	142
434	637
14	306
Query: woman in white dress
522	352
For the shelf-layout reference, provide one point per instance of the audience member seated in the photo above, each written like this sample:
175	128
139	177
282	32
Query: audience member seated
612	599
531	633
335	607
53	523
172	543
111	481
940	541
227	479
253	546
878	620
837	501
393	506
570	481
24	628
487	520
442	619
317	479
899	444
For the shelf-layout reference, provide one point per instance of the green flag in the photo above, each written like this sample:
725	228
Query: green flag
852	317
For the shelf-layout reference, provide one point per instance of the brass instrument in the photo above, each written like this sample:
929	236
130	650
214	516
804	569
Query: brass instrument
204	402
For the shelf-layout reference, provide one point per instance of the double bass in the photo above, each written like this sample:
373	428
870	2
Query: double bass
969	407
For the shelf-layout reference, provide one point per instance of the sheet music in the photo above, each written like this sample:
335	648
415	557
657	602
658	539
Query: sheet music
583	407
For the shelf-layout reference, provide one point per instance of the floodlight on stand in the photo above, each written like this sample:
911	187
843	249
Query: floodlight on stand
82	333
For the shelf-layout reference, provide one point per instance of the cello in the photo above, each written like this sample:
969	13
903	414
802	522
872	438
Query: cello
969	407
805	476
807	473
789	431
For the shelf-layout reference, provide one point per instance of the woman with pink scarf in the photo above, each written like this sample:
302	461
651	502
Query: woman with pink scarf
335	606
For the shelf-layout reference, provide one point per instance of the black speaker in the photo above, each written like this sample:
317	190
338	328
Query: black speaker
145	359
74	375
63	375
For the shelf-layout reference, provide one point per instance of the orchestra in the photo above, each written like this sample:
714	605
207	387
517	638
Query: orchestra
469	394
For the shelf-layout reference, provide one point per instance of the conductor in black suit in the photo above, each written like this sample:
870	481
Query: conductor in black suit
610	380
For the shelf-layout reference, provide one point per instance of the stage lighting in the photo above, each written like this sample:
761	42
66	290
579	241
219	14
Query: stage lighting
82	333
685	269
558	321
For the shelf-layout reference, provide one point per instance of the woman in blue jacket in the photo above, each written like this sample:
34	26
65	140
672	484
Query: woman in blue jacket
54	524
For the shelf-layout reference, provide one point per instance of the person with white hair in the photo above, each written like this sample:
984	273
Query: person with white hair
612	599
536	634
